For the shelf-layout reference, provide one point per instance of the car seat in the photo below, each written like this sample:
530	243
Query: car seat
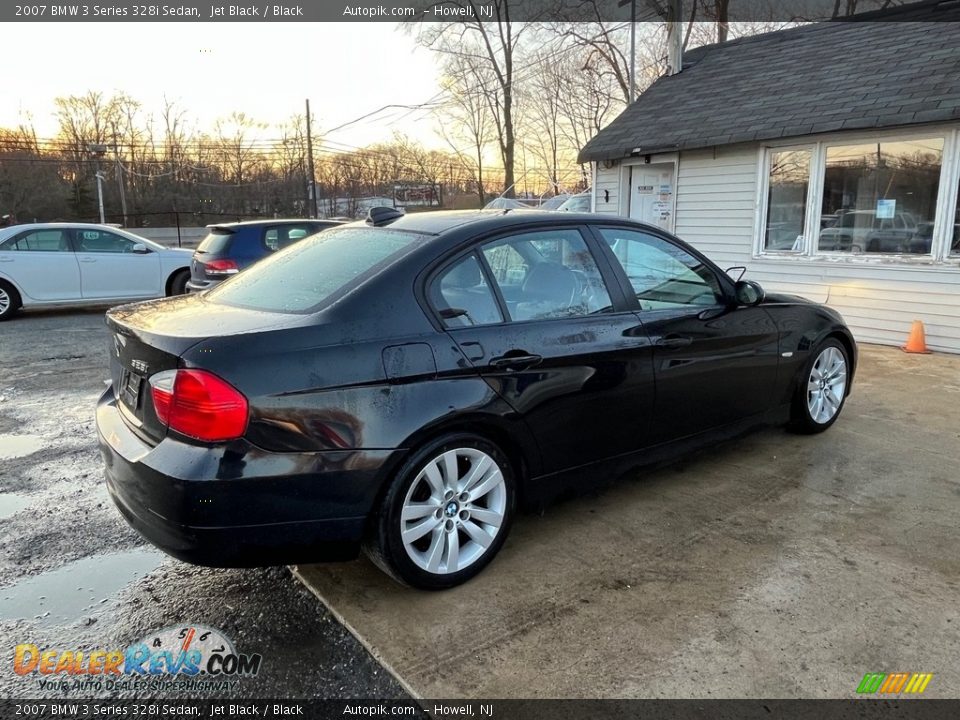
549	290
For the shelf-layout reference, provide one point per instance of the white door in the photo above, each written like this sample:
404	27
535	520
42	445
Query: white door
109	268
42	264
651	194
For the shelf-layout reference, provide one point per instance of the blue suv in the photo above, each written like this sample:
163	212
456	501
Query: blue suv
230	247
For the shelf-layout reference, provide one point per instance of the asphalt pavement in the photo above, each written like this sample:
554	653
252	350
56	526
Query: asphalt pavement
74	576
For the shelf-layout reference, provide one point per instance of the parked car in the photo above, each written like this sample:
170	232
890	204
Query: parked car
863	231
505	203
922	239
79	263
230	247
404	383
576	203
554	202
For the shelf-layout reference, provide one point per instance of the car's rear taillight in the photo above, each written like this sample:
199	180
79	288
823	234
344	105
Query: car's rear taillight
221	267
198	404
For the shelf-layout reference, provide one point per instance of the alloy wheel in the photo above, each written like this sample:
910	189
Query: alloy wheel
4	301
826	385
453	510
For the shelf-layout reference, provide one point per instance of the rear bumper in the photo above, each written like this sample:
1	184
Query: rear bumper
235	505
195	286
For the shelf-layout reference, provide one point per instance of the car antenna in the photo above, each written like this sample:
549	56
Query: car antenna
380	216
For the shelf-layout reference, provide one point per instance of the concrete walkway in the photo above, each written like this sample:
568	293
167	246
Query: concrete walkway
774	566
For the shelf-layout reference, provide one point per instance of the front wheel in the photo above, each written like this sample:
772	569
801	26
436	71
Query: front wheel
178	285
446	514
822	389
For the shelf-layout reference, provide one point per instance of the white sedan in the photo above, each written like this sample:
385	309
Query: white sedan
77	263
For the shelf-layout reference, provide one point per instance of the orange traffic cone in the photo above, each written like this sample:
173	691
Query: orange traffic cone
917	340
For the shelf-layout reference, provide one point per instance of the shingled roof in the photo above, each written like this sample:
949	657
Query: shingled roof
816	78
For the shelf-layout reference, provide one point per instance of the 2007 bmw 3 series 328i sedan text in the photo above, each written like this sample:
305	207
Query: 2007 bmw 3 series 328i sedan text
405	384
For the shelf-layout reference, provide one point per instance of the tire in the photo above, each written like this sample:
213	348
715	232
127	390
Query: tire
9	300
821	388
422	519
178	284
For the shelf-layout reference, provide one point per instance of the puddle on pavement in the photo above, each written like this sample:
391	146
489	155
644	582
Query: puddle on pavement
11	503
62	595
15	446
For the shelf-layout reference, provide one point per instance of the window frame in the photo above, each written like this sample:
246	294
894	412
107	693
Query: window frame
620	301
307	225
75	242
16	238
764	199
437	273
945	206
724	281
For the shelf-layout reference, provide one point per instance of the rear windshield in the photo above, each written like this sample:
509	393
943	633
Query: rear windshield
300	278
216	241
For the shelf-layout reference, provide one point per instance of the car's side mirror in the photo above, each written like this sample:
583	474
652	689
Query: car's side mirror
748	293
139	249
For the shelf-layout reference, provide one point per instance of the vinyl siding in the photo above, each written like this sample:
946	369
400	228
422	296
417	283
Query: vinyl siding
608	179
716	212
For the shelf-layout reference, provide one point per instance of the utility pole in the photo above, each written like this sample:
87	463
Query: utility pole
311	182
98	151
100	195
123	193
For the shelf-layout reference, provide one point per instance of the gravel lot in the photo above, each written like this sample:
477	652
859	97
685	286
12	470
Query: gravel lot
74	576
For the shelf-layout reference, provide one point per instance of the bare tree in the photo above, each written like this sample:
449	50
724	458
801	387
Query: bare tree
494	45
545	90
30	182
465	118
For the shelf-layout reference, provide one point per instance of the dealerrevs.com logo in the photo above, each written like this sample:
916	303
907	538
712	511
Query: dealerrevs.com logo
894	683
192	657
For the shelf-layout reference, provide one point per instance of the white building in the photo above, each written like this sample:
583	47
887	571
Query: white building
824	158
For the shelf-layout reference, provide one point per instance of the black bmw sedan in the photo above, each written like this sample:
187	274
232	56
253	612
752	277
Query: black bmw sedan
405	384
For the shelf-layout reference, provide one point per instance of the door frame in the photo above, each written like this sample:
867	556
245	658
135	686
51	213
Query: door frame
621	300
626	168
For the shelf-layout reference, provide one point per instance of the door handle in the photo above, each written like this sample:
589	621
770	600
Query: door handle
88	259
6	258
517	361
672	342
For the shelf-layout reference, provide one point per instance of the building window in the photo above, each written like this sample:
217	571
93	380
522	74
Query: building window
787	200
880	197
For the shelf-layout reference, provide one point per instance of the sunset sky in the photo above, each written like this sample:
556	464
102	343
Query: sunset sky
265	70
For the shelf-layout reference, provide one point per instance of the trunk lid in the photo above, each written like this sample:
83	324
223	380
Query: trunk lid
150	337
214	246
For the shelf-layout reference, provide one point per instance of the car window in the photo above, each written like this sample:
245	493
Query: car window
547	274
216	241
462	295
101	241
280	236
576	203
302	277
55	240
662	274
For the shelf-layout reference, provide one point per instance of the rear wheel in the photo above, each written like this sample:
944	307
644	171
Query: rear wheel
822	389
178	284
9	300
446	514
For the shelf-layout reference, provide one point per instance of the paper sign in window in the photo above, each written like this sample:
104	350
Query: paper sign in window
886	209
